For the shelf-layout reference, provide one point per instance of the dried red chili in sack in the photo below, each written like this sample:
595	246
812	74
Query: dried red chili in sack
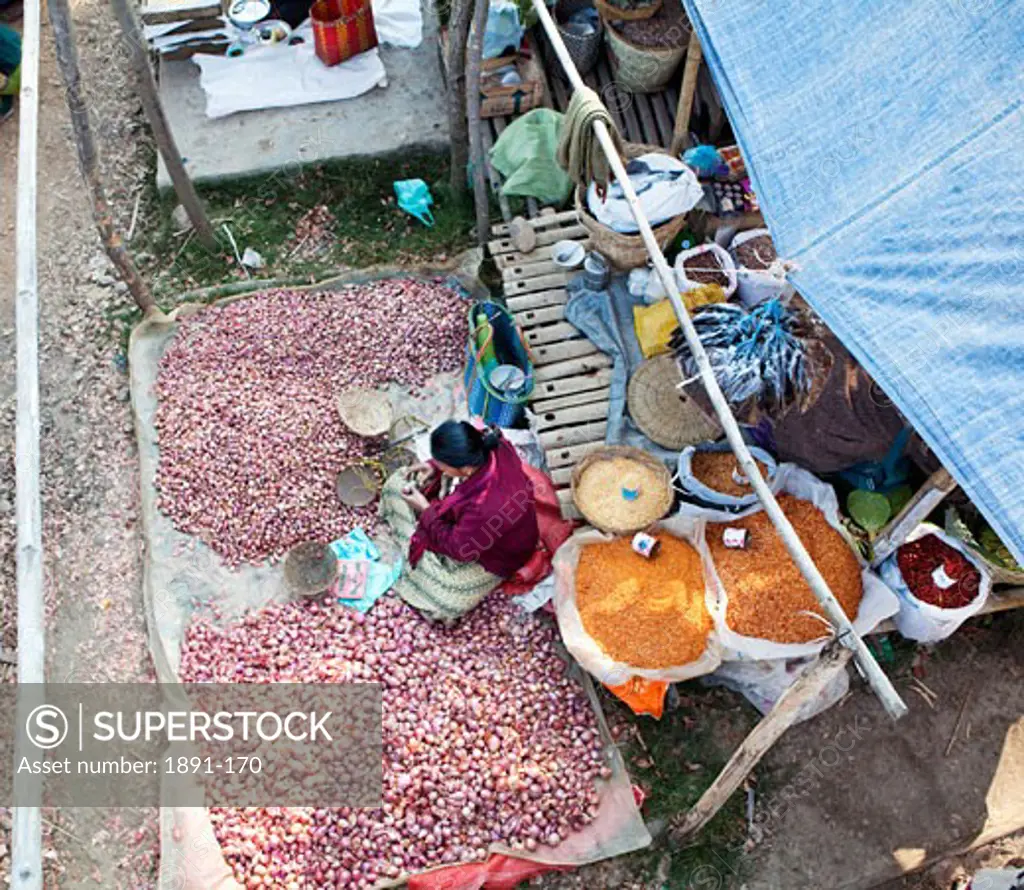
938	574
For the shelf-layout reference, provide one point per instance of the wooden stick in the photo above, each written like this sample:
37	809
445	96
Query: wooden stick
927	498
960	718
458	35
474	61
832	662
162	135
27	830
845	631
67	61
681	129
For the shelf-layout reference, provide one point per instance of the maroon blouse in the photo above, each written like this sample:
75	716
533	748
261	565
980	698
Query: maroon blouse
490	518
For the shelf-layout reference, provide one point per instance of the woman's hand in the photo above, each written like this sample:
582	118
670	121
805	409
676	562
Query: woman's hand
415	498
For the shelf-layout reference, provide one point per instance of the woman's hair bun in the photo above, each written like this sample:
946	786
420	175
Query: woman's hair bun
489	439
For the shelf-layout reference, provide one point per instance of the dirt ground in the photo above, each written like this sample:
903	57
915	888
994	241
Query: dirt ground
93	553
91	541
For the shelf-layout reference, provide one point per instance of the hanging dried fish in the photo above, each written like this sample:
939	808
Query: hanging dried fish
768	359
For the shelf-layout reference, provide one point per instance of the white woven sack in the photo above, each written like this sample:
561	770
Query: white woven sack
921	621
724	259
877	604
584	648
756	286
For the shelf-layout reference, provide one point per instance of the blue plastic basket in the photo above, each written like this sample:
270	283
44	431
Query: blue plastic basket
494	339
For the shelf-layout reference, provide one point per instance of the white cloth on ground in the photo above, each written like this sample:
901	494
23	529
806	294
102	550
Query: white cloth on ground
284	76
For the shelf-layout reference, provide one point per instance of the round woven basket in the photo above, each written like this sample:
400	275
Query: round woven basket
641	69
612	13
310	568
608	514
665	415
584	49
367	412
625	251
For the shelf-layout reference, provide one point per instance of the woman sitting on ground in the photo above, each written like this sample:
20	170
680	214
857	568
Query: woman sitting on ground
463	544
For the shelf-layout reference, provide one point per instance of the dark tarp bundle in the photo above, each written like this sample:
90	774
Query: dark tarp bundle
885	142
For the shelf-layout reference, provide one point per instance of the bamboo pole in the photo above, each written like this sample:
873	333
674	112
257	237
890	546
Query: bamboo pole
684	110
845	632
162	135
27	833
474	61
458	34
67	61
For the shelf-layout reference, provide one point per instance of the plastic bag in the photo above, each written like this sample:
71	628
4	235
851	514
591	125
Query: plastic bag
585	649
415	199
643	697
698	493
755	286
524	155
724	260
921	621
877	604
654	327
503	30
762	683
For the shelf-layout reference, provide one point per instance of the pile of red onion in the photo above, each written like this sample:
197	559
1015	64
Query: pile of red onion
485	739
250	438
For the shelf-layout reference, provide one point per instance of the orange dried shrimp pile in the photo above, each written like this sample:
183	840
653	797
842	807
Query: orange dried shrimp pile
648	613
714	469
766	591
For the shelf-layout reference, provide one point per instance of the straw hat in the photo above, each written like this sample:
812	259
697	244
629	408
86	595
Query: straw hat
662	412
310	568
367	412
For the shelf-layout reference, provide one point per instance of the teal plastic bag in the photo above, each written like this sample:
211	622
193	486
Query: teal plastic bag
415	199
524	155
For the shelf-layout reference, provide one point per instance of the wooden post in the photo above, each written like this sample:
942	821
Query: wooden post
27	829
458	34
832	662
476	143
67	61
926	499
158	124
681	129
844	628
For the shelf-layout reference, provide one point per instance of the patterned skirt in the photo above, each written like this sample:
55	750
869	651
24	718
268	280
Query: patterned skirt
439	587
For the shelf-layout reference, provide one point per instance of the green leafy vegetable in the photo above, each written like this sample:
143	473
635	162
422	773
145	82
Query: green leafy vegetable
869	509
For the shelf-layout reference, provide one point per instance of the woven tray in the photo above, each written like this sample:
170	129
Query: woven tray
615	514
661	412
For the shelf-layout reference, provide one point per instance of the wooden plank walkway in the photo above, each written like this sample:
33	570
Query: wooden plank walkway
572	378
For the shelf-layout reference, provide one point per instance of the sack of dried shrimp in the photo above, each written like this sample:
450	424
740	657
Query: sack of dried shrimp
763	608
622	615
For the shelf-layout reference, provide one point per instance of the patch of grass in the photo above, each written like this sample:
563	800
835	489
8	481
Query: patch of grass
676	759
262	213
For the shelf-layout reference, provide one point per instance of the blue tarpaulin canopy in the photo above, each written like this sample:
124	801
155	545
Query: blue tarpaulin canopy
885	142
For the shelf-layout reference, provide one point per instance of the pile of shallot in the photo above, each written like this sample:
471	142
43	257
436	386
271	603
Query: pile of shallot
250	438
485	739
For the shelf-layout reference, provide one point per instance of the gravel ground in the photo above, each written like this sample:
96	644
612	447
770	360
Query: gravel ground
90	537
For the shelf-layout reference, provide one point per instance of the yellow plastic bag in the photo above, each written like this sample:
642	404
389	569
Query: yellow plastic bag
654	324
